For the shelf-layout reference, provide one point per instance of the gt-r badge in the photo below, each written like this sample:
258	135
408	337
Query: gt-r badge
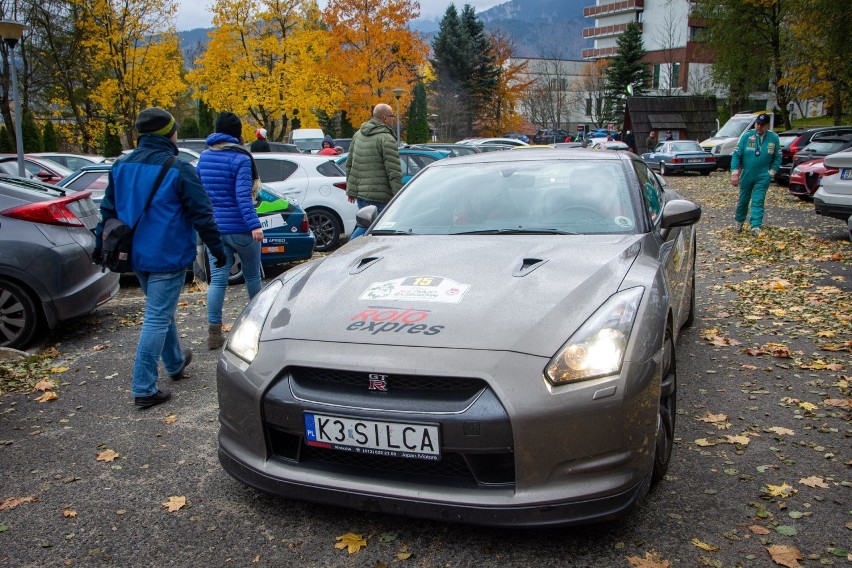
378	382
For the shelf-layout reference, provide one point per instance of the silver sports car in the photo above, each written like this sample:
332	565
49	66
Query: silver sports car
498	349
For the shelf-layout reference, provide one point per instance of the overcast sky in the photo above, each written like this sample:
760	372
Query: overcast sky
195	14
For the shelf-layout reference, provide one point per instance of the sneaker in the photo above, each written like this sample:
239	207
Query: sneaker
756	231
158	397
739	227
187	359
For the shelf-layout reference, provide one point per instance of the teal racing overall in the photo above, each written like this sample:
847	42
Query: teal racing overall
757	159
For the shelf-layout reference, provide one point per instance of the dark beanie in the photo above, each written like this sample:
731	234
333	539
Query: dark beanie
230	124
155	121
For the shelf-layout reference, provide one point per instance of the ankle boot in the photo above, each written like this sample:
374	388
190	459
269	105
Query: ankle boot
215	337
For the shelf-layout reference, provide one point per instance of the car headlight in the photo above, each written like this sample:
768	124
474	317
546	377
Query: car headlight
717	149
245	336
797	171
597	348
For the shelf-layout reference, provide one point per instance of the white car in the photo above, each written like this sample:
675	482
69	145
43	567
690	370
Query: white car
318	185
71	161
611	145
834	196
480	141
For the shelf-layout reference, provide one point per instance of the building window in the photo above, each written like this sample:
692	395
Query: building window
589	106
656	81
674	80
559	84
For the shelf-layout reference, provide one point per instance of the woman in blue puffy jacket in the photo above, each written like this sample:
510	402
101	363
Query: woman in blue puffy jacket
226	171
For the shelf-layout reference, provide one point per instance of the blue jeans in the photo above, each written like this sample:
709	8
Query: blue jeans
363	203
249	250
159	337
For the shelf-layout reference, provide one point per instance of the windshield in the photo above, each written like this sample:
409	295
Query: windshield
308	143
687	147
826	146
543	197
734	127
787	139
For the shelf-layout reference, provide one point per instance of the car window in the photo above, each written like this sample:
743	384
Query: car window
823	146
186	156
652	192
687	147
75	163
274	170
330	169
89	180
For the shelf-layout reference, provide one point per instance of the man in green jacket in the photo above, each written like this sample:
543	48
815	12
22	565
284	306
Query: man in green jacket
753	165
373	170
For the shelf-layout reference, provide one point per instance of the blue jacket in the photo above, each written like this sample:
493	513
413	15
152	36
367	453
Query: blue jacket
164	240
226	176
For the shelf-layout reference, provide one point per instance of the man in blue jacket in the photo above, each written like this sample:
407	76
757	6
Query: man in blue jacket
753	165
163	243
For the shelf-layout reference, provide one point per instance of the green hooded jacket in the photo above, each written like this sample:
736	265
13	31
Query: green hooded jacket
373	171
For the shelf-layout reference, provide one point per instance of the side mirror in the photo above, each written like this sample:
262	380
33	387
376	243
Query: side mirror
44	175
366	215
680	213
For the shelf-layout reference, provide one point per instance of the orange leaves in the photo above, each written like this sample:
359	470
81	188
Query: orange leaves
44	385
174	504
170	419
351	542
13	502
107	456
785	555
69	513
712	335
814	481
47	397
650	560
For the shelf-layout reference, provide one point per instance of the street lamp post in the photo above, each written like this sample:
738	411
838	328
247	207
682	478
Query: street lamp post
12	32
397	93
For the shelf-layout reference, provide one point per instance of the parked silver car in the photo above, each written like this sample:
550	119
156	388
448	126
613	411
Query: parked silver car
46	270
498	349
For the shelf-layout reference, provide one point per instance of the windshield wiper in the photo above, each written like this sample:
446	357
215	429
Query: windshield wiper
391	232
519	231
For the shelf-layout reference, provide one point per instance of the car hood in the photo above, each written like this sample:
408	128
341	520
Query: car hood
510	292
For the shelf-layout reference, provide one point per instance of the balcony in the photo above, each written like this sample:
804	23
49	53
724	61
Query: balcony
599	52
614	8
607	31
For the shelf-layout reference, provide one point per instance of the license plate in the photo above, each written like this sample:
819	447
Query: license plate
696	160
372	437
845	174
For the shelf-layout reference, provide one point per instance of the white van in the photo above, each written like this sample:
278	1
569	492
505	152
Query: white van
308	140
722	144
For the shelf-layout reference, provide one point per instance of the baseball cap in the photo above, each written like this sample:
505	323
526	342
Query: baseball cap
763	118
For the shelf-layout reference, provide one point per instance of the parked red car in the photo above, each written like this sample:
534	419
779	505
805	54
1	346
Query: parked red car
805	178
37	168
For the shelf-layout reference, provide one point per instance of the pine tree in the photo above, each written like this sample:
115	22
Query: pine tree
627	68
482	72
189	129
111	139
30	134
347	130
7	146
49	138
205	120
418	119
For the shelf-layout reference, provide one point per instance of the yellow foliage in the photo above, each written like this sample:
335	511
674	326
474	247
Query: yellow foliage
512	83
373	52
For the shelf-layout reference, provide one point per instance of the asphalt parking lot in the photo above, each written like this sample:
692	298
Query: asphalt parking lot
761	474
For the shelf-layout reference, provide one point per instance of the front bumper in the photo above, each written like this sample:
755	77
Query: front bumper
517	452
706	167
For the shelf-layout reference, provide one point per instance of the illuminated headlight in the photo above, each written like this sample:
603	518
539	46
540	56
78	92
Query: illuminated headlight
597	348
245	336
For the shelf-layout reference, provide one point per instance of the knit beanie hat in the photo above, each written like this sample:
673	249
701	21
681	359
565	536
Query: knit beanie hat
261	132
155	121
230	124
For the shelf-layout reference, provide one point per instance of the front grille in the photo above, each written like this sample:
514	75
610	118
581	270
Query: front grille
708	150
453	469
400	382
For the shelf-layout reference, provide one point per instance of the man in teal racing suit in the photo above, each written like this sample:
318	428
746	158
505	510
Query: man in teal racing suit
753	165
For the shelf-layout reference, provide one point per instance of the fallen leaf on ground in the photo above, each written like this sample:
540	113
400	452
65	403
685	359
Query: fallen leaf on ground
47	397
59	369
704	546
808	406
704	442
740	439
183	304
107	456
226	327
757	529
99	347
814	481
838	402
256	559
44	385
788	556
351	542
13	502
651	560
403	555
713	418
781	431
782	490
69	514
170	419
175	503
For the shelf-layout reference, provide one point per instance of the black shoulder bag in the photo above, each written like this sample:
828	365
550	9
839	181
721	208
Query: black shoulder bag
117	237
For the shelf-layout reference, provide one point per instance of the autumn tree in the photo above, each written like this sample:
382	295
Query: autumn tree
136	54
512	82
373	51
593	83
266	60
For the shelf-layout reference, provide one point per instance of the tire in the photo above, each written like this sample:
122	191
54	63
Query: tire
667	413
20	320
236	276
662	168
705	173
326	228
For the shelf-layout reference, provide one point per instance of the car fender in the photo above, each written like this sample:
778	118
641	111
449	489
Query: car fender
34	286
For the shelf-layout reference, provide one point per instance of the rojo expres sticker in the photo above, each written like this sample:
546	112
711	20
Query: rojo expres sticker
420	288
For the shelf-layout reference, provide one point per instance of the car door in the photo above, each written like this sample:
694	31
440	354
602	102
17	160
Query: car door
284	175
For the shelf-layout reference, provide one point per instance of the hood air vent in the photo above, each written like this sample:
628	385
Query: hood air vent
362	264
528	265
